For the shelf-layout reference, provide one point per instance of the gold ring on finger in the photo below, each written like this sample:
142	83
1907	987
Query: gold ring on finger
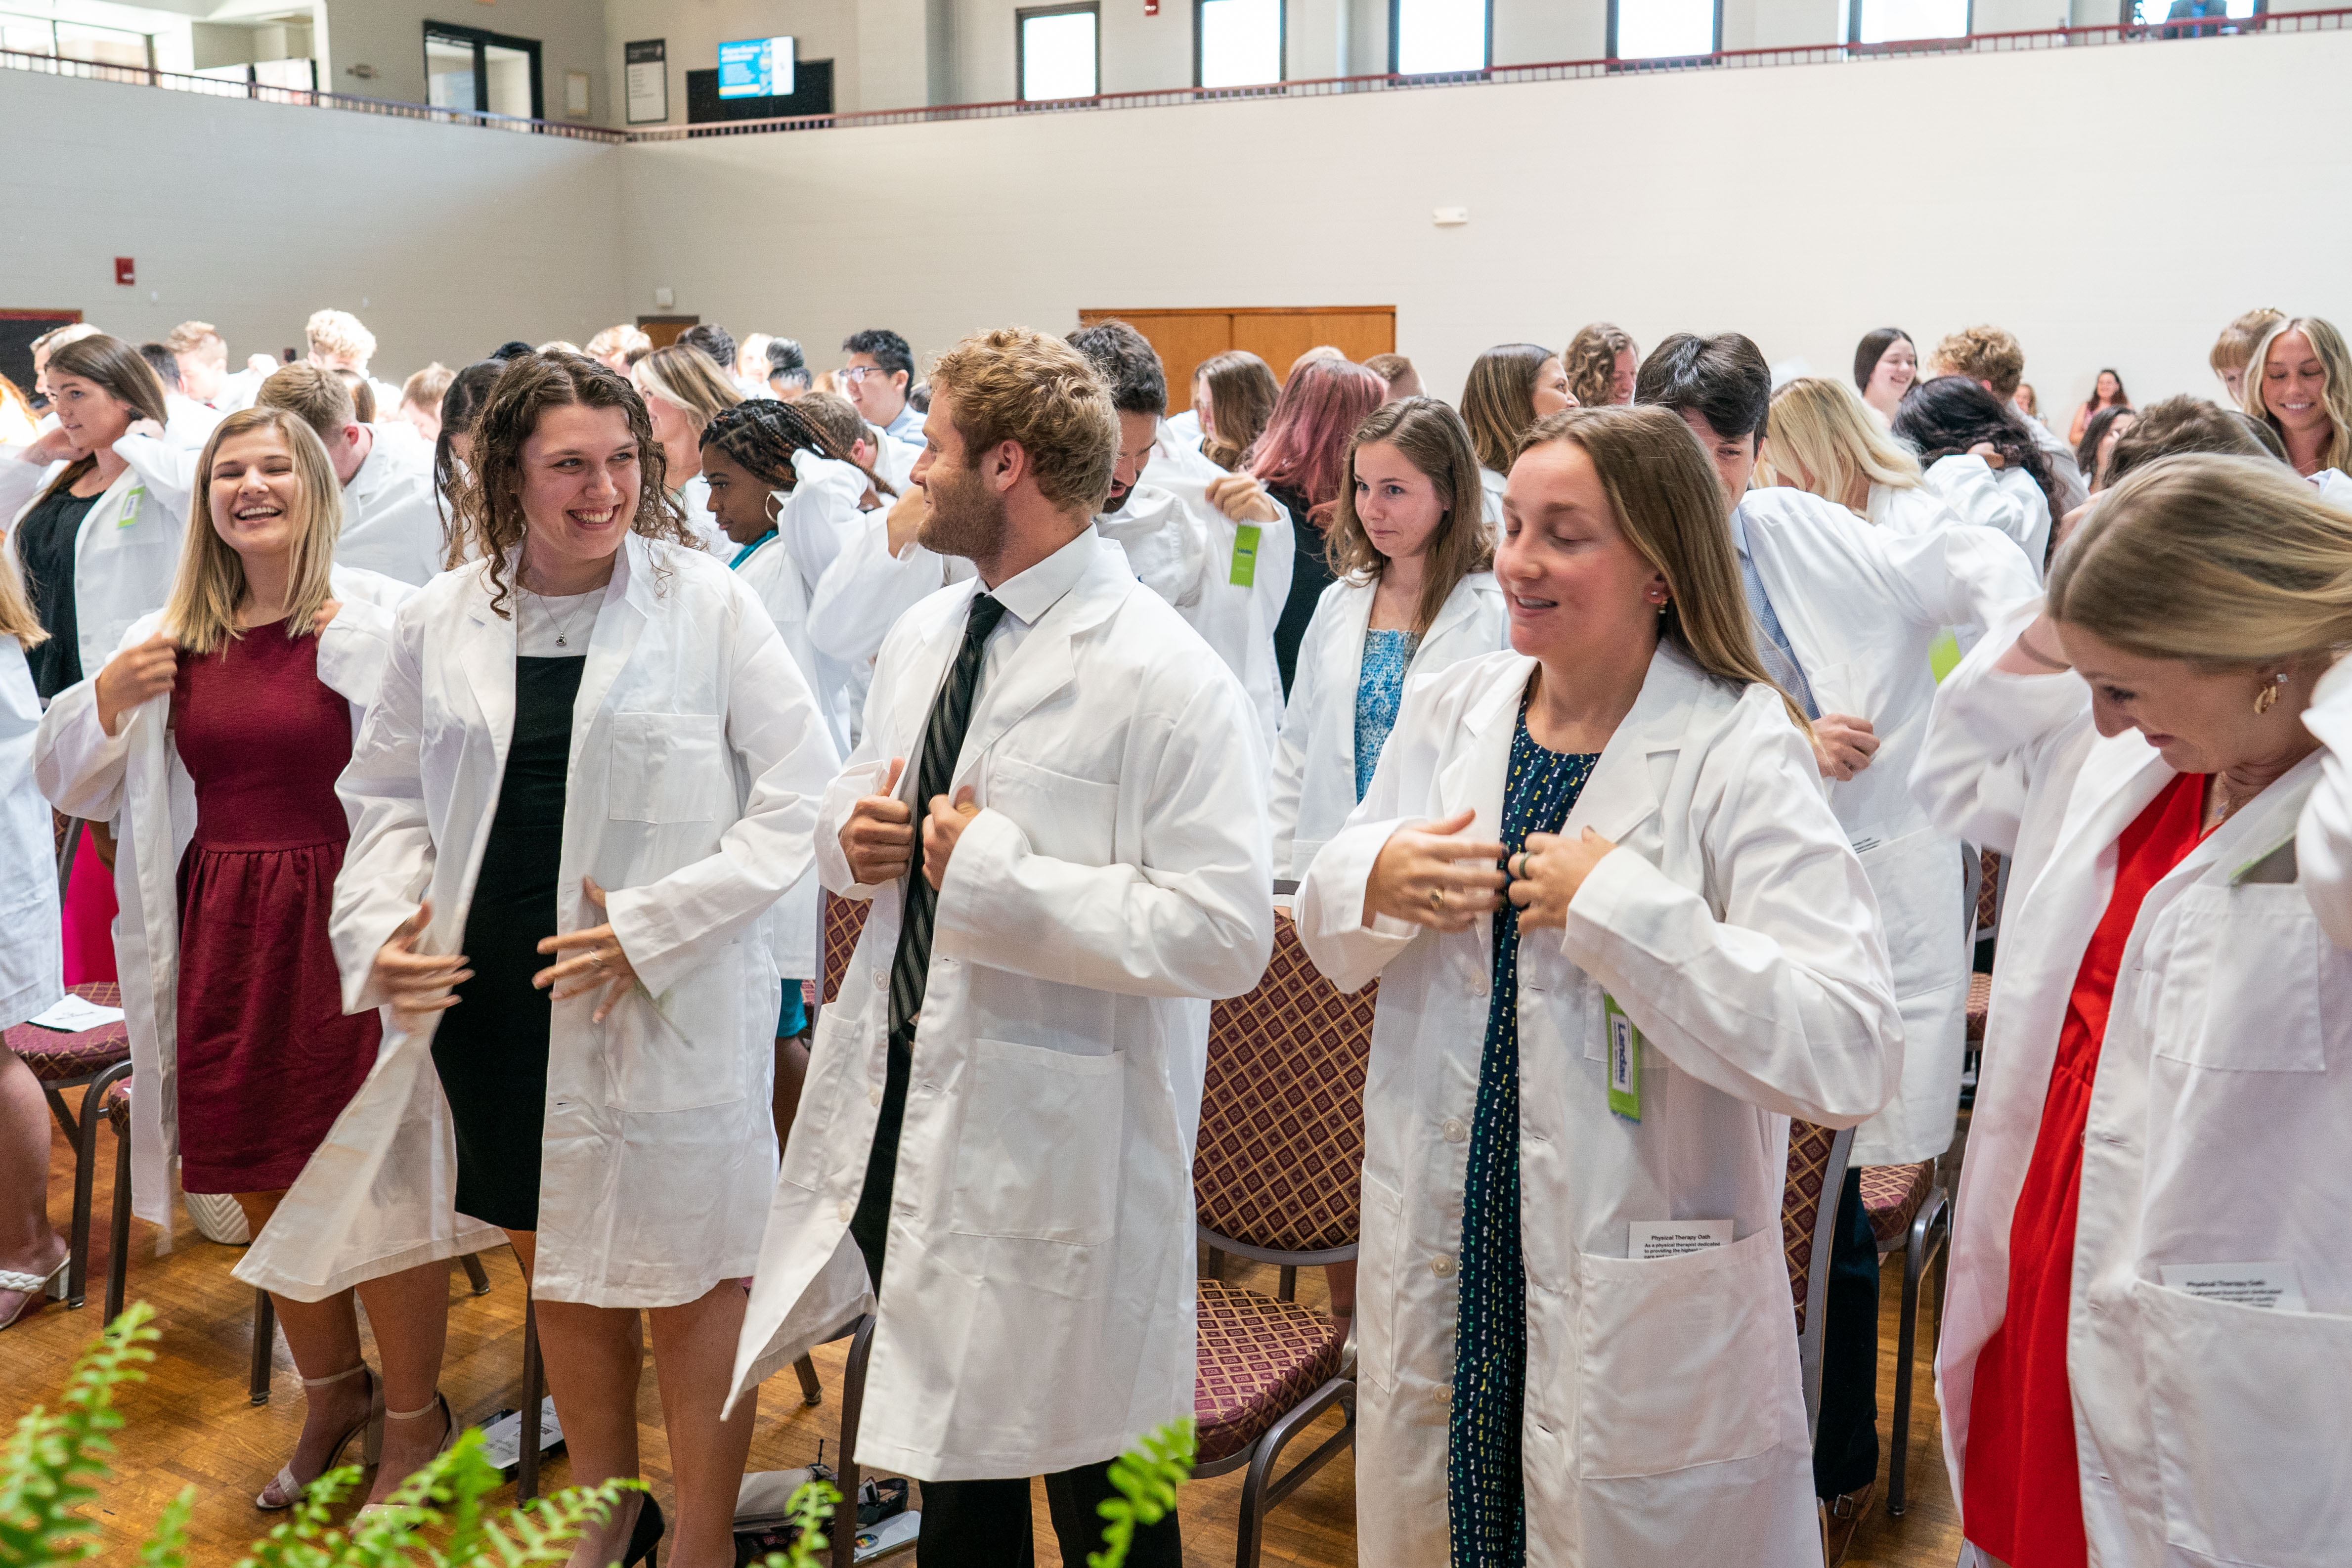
1437	898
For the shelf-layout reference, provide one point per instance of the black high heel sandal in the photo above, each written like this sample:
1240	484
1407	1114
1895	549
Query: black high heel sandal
644	1537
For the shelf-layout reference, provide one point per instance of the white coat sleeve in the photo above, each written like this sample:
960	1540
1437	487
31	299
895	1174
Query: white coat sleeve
2323	849
1990	735
389	861
1967	485
20	482
167	470
353	649
862	595
1949	576
1195	919
78	765
1290	758
669	927
1787	1001
820	518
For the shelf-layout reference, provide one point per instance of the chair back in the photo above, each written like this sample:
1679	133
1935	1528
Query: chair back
845	920
1281	1155
1809	1203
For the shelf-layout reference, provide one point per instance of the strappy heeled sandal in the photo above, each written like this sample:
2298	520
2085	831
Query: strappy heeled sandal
285	1490
35	1289
449	1439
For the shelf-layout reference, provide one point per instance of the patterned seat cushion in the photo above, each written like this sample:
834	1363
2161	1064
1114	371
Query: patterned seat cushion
63	1058
845	922
118	1106
1892	1194
1259	1359
1979	1002
1800	1204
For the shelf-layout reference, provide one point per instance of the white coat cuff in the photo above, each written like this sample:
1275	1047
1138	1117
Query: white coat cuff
638	922
984	854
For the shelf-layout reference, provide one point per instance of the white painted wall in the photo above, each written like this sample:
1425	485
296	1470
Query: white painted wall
1030	219
446	240
389	35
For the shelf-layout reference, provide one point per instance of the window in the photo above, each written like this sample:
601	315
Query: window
75	41
1894	21
1663	29
470	69
1431	35
1060	53
2146	10
1239	42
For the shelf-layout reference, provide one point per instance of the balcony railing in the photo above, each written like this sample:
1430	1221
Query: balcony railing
1323	86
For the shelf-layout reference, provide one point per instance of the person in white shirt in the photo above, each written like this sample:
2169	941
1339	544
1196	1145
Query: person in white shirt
878	374
1992	358
338	341
2009	480
997	1163
205	375
187	424
391	523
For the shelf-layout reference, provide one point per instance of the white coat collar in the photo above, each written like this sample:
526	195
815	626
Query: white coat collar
486	647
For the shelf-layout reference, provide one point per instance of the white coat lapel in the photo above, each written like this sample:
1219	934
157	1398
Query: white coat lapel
1473	778
1043	663
628	603
485	652
1623	790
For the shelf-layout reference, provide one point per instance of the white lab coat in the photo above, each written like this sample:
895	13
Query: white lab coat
1665	1417
1182	429
126	551
1491	486
32	954
135	780
1173	453
2324	838
894	460
2206	1431
1315	760
188	423
1862	607
1037	1304
1913	508
2006	499
696	756
771	572
1190	554
2073	490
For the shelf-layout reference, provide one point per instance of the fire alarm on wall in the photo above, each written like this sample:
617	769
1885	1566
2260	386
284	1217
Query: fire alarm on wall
1152	7
126	272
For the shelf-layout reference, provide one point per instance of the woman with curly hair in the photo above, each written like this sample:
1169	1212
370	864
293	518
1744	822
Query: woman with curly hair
1950	418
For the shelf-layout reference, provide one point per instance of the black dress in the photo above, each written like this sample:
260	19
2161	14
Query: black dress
45	544
491	1048
1310	574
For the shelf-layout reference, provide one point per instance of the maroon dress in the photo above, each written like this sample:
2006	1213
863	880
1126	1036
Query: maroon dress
267	1056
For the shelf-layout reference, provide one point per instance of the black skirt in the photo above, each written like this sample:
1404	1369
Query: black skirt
491	1048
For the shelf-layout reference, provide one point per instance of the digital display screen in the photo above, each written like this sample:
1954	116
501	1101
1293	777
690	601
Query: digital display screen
756	68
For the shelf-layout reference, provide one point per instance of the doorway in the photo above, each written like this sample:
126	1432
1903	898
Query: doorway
1277	335
475	71
664	330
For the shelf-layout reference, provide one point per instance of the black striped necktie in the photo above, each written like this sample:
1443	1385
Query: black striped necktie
911	966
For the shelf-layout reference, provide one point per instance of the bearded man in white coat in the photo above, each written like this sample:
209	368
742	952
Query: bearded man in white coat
1844	616
1059	813
1222	560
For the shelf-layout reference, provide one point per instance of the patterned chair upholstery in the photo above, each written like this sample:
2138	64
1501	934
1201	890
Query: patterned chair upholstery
1259	1357
1892	1196
1979	1003
94	1057
1809	1201
845	920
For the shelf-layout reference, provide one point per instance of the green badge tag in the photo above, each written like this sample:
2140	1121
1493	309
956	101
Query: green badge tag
1624	1060
1244	572
130	500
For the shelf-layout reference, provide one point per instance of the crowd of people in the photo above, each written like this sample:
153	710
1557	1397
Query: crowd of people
471	757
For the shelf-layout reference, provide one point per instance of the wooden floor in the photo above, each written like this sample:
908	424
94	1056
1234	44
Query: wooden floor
191	1423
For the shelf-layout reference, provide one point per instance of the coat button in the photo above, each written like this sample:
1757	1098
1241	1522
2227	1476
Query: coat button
1453	1127
1444	1394
1479	986
847	1208
873	1095
1442	1266
881	980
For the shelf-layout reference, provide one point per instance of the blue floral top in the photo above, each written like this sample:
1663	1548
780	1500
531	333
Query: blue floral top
1380	688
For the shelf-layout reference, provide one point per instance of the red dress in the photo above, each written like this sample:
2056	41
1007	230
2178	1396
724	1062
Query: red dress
2022	1495
267	1056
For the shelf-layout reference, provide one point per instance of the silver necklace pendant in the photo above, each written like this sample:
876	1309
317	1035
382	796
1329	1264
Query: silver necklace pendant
561	641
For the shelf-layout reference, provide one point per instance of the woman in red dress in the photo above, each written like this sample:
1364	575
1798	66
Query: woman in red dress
2158	1106
247	687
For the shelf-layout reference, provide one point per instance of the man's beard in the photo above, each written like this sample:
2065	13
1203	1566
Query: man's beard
1115	502
964	519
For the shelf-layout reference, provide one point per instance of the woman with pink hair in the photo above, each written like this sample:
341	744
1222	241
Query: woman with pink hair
1302	460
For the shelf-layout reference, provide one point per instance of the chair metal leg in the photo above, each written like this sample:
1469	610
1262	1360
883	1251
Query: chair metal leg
533	1382
265	1343
93	1100
62	1112
843	1530
1261	1491
475	1276
1924	1238
118	1250
1288	1287
812	1391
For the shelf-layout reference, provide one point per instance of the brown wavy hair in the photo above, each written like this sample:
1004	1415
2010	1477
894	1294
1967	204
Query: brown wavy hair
1435	440
1591	361
489	498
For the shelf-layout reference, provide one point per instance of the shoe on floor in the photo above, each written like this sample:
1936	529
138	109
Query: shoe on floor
1840	1517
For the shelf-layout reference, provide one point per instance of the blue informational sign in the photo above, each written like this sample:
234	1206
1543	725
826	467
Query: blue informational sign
756	68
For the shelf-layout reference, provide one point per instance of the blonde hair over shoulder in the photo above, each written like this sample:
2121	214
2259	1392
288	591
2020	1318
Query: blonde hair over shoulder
1820	438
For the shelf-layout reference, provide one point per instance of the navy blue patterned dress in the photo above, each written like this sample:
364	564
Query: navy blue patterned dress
1485	1495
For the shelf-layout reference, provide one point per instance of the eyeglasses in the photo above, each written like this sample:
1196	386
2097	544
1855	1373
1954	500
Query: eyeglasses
857	373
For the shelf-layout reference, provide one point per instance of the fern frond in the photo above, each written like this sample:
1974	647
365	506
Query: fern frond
54	1459
1147	1477
167	1544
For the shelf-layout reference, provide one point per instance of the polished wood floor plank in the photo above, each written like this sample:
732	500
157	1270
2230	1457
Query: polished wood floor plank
191	1424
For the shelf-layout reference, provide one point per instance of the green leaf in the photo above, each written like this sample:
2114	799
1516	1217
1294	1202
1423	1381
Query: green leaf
1147	1477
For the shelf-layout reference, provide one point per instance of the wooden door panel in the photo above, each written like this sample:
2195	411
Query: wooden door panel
1359	335
1277	335
1182	340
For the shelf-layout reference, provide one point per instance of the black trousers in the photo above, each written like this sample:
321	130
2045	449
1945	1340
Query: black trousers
1845	1448
987	1523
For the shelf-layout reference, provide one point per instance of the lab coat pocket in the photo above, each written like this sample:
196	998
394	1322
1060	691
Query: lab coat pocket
1382	1252
1037	1157
665	767
1064	818
686	1048
1687	1360
1917	880
2246	1406
2240	990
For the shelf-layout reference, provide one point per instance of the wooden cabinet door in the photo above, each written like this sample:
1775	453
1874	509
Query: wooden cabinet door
1276	335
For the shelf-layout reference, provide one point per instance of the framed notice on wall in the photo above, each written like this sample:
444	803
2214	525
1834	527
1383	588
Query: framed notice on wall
646	62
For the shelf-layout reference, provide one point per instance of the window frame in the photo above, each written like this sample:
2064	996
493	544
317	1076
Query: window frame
1853	30
2262	8
1281	47
1396	18
481	40
1615	58
1022	17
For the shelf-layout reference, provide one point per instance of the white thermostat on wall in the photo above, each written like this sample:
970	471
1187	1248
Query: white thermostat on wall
1449	217
664	298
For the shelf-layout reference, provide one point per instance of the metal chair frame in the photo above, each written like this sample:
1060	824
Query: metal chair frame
1925	1243
1810	1340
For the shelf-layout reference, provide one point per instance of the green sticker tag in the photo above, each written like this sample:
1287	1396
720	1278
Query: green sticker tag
1245	538
130	500
1624	1060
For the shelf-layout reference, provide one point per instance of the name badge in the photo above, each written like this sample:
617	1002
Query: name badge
1244	569
1624	1060
2273	1286
130	500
